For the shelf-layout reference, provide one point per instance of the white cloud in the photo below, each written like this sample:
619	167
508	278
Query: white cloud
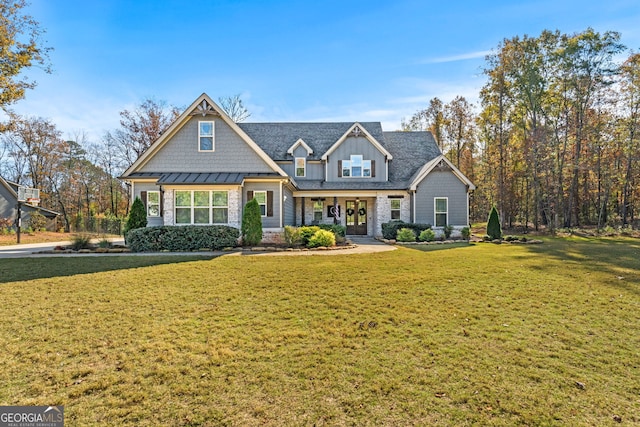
455	58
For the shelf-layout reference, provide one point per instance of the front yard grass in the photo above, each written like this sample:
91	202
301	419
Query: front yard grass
470	335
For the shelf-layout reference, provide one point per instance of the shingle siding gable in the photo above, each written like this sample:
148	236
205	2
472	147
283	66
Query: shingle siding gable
231	154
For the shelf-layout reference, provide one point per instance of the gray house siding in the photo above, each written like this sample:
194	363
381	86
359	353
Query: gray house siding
138	188
289	207
267	221
441	184
353	145
231	154
314	170
7	203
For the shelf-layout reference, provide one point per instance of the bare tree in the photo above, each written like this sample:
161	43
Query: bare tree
233	106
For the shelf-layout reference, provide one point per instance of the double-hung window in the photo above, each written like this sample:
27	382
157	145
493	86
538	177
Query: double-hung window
201	207
441	211
301	164
395	209
318	206
261	198
153	203
206	136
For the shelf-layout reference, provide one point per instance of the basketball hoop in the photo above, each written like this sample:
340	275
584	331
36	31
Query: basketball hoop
33	201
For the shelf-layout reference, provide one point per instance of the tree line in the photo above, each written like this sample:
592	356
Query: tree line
555	140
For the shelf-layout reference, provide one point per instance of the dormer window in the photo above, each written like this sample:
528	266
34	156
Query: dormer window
205	136
357	167
301	167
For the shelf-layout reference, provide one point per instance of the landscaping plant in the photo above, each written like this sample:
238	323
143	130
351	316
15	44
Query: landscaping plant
406	235
251	223
137	217
494	231
322	238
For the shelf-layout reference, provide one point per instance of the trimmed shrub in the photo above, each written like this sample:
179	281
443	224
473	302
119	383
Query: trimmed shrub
337	229
427	236
251	223
322	238
390	229
406	235
137	217
182	238
494	230
307	232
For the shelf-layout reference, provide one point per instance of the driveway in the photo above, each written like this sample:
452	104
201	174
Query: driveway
364	245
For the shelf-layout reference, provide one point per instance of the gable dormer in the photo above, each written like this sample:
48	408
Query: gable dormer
300	152
356	156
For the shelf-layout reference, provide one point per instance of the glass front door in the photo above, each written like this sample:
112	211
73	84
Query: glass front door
356	217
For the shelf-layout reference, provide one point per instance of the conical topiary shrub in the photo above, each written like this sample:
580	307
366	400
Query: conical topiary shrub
494	231
251	223
137	217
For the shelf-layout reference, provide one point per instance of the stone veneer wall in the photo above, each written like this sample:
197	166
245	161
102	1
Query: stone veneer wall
383	209
234	200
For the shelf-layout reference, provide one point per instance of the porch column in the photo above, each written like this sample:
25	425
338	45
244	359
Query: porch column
303	215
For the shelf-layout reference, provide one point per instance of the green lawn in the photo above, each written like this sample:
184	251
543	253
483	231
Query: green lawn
468	335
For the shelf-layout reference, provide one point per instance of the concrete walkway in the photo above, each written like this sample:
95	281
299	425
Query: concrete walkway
364	245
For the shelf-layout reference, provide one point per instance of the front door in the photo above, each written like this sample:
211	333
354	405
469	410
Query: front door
356	217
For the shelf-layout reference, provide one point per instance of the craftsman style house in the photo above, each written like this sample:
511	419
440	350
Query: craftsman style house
205	167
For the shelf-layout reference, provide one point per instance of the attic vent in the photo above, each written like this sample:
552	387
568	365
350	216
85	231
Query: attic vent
442	166
204	108
356	132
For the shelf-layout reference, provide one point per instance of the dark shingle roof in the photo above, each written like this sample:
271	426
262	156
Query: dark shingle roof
276	138
410	150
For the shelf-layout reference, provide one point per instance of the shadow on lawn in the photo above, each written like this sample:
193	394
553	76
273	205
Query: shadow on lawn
21	269
610	255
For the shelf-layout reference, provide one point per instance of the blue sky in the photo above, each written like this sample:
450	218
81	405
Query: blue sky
290	60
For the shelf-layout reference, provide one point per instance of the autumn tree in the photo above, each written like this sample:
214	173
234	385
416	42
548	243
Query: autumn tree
140	127
20	48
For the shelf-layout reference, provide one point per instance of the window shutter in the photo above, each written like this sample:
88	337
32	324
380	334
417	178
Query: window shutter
339	168
249	195
373	168
269	203
161	202
143	196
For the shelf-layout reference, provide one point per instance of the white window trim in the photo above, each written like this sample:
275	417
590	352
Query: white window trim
321	210
213	136
392	209
149	204
350	168
192	208
266	207
304	167
435	211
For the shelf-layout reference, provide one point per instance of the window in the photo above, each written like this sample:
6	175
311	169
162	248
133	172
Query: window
318	206
205	136
357	167
261	197
201	207
301	163
441	211
395	209
153	203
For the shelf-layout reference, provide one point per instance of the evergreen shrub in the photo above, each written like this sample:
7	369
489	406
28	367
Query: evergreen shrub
406	235
390	229
494	230
427	235
137	217
251	223
322	238
182	238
